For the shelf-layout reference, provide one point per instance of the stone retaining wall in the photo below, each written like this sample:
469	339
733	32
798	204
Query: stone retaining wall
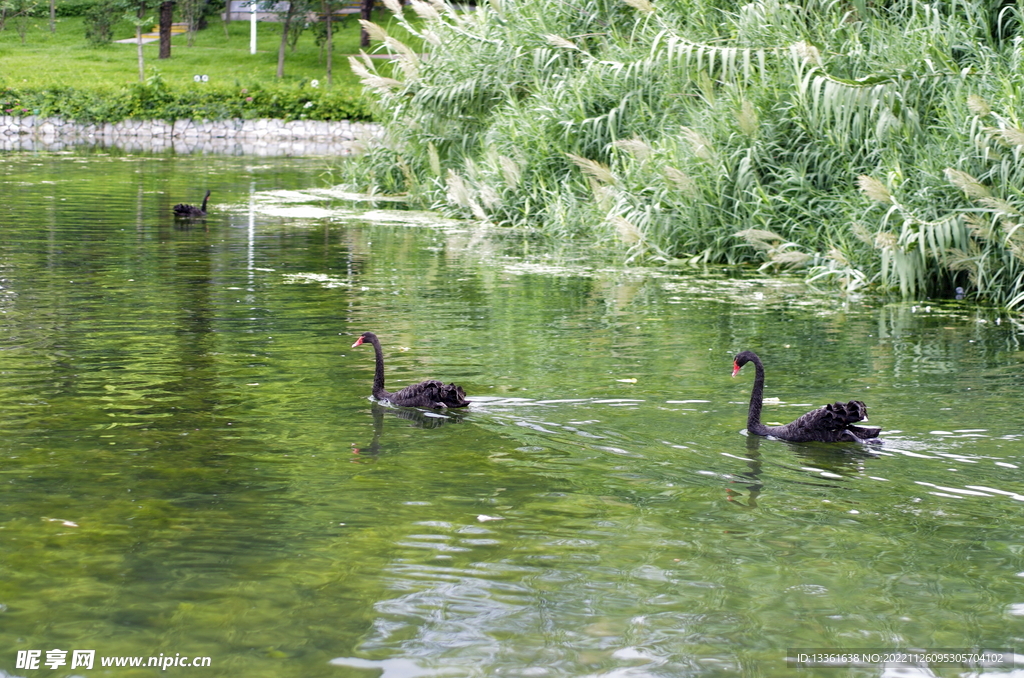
234	137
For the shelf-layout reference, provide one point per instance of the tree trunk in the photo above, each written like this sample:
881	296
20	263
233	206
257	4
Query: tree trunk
284	38
329	14
53	16
142	63
366	14
138	43
166	19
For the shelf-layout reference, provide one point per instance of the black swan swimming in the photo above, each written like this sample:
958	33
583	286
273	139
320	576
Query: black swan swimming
429	393
191	211
829	424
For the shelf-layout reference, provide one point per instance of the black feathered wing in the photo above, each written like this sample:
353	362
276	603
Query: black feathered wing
183	210
431	393
829	424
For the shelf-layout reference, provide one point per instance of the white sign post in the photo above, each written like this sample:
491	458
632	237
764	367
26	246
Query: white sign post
252	27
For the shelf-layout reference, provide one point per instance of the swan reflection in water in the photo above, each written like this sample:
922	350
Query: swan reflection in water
416	418
751	480
827	463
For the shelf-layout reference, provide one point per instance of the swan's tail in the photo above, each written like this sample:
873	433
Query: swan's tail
845	415
452	395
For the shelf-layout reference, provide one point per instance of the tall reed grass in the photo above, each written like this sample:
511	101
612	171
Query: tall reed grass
869	144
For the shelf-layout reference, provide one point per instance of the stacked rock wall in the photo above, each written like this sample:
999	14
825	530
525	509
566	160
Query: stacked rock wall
267	137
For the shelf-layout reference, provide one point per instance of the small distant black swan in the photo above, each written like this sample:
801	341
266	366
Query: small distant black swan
829	424
430	393
191	211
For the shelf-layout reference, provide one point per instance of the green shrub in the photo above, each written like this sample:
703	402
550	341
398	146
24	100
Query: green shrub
157	101
67	8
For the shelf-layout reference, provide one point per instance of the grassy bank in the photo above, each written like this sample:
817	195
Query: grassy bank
63	74
866	144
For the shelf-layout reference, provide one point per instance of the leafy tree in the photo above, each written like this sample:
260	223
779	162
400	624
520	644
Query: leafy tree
21	11
290	30
137	20
192	12
100	19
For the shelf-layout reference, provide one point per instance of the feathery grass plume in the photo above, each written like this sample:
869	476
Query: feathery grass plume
1000	207
371	79
472	169
884	240
361	71
1017	250
628	233
440	6
510	171
604	196
560	42
489	197
747	118
641	5
477	210
791	258
979	227
978	106
806	52
836	255
698	143
1010	136
861	232
971	187
592	168
425	10
407	173
635	147
682	181
458	191
373	30
395	6
874	189
408	60
966	260
433	159
491	155
760	239
1013	231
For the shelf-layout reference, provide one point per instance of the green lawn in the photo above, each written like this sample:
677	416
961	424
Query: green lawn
66	58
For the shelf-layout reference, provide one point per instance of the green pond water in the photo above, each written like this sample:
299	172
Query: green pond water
191	465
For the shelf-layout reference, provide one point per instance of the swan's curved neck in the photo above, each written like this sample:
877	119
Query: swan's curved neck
205	198
378	374
754	424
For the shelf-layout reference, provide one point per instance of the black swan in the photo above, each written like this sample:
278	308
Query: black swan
829	424
191	211
430	393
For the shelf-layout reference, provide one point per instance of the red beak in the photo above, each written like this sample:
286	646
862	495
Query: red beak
735	369
359	342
